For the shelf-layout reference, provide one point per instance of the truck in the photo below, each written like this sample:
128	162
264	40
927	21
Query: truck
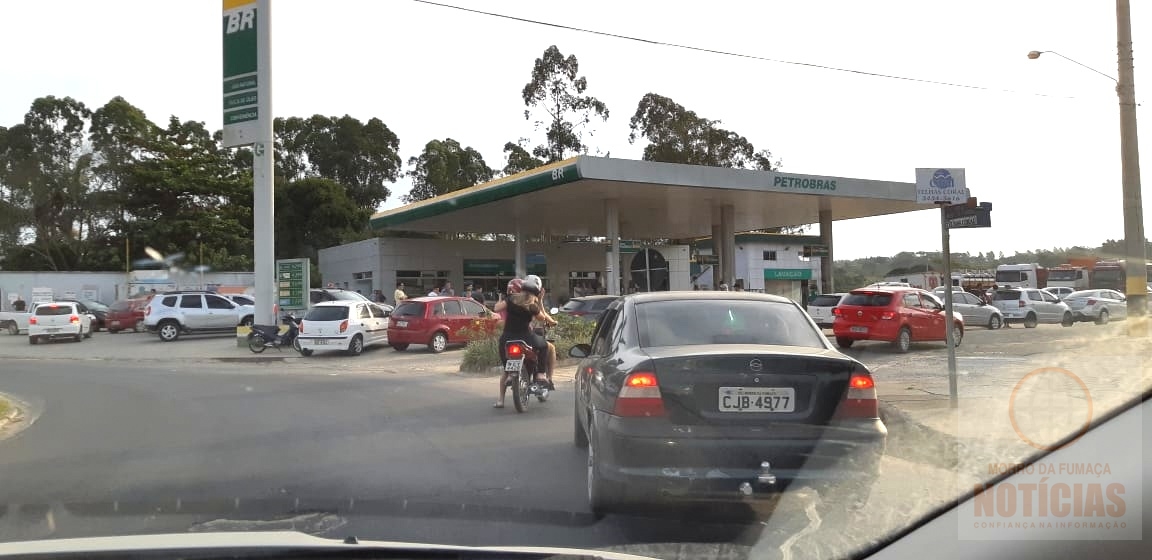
922	280
974	281
1021	276
1109	275
16	322
1069	276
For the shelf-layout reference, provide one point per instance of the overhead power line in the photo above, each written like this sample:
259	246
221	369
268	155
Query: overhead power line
735	54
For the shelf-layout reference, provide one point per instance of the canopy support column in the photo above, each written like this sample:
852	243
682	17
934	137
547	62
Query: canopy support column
827	286
612	267
728	233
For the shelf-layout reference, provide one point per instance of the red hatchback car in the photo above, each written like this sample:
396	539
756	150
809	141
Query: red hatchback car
436	321
127	314
897	315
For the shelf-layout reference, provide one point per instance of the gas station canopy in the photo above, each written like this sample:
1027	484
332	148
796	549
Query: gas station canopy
653	200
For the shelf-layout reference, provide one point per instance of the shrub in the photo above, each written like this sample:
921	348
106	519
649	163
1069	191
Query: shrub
483	353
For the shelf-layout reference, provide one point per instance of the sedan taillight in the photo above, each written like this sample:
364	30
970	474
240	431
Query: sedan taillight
836	311
860	398
1023	303
32	320
344	325
888	315
640	396
74	319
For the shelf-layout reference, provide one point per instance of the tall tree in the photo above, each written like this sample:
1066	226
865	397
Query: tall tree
444	166
557	88
46	169
315	213
677	135
518	158
361	156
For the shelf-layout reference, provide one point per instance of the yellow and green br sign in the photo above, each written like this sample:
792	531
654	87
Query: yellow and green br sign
241	70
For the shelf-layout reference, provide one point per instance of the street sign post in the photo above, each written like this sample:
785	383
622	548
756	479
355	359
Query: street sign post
944	186
247	104
815	251
293	278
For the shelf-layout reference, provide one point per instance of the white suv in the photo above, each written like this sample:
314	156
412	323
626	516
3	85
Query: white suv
174	313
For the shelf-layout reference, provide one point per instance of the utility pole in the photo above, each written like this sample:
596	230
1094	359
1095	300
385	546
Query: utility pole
1134	245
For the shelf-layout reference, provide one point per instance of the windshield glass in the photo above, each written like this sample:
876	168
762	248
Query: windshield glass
697	186
681	323
868	299
327	313
825	301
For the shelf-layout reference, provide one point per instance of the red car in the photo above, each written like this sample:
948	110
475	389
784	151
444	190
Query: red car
126	314
437	322
897	315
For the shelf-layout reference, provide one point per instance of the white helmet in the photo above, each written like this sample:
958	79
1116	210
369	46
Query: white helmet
533	283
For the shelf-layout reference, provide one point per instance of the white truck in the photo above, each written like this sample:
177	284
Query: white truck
1021	276
16	322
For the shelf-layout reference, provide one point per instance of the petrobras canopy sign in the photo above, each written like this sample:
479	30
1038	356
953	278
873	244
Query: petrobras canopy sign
941	185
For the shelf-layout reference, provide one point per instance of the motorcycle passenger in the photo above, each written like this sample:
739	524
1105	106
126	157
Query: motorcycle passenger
521	307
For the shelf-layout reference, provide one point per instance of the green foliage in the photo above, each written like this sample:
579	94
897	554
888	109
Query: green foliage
483	352
312	214
518	159
77	186
677	135
557	88
361	156
444	166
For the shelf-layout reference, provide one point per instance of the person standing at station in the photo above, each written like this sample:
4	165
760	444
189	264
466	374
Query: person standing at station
399	294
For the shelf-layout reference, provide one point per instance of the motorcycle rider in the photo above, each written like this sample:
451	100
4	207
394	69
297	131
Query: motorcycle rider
522	306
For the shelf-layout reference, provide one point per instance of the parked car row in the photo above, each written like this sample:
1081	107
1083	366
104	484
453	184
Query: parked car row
901	314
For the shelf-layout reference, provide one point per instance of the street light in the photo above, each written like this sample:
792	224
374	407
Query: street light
1134	245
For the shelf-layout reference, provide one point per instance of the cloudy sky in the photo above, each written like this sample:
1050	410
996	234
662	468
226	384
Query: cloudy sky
1039	138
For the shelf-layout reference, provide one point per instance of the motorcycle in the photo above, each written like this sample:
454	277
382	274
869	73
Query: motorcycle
522	366
268	336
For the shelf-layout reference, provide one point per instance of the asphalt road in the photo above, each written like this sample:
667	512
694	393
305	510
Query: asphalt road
385	446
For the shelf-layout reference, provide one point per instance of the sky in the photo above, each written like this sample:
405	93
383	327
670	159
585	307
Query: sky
1045	152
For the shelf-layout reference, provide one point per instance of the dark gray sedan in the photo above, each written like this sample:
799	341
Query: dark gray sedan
721	396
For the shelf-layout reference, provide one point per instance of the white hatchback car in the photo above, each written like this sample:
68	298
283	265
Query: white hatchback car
344	325
58	319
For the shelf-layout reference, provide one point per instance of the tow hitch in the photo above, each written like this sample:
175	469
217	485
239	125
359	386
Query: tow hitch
765	478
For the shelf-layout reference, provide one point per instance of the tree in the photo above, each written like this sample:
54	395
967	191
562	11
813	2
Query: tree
315	213
444	166
518	159
557	88
677	135
361	156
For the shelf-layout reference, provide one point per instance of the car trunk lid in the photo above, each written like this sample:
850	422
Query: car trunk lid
751	385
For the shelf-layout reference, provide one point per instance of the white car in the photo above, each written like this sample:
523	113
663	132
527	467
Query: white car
820	308
1097	305
343	325
58	319
1032	306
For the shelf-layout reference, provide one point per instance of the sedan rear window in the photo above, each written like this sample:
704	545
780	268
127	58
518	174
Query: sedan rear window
868	299
409	309
825	301
688	323
1006	295
50	310
573	305
327	313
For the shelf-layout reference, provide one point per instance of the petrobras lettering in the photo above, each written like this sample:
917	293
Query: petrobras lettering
804	183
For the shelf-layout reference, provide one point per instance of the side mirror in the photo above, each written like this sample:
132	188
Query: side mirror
580	351
554	311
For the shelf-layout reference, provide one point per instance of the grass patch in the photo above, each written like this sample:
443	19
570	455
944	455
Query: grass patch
5	407
483	353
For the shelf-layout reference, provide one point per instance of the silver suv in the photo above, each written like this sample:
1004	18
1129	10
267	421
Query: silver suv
172	314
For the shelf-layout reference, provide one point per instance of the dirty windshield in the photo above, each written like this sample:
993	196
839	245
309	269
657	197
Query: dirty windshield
629	277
